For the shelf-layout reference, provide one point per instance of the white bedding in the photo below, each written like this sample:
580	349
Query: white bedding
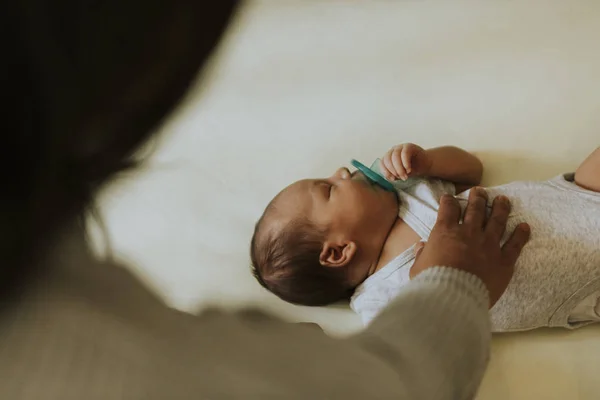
300	88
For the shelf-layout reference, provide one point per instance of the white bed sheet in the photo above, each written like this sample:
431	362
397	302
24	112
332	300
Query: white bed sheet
299	88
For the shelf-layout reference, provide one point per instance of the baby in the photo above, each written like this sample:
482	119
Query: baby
320	241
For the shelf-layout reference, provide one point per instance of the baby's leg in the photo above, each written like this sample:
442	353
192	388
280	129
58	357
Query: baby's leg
588	173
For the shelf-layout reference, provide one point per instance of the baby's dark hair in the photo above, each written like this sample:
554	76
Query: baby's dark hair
287	264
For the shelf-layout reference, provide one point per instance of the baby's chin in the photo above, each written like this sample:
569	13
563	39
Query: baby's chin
390	197
391	203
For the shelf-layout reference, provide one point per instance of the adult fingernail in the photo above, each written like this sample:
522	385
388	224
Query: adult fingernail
447	198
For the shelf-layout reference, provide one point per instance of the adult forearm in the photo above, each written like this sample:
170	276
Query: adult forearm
436	335
431	343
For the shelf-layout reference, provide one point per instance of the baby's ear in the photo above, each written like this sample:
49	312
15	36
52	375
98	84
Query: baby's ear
337	254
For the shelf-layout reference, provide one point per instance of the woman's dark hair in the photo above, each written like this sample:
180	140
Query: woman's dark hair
84	85
287	264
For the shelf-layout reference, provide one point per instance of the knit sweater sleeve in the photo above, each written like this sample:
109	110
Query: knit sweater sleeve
96	333
436	335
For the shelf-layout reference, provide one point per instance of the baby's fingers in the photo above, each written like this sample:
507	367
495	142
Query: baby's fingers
387	168
398	164
406	155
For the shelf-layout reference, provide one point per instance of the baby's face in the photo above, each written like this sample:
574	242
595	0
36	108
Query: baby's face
344	204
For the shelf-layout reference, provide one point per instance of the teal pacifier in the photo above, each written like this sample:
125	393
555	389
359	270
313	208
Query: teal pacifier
373	176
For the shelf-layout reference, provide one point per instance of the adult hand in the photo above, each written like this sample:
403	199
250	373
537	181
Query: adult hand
474	245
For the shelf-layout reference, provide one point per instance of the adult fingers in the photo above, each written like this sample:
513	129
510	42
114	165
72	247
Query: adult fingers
449	214
496	224
475	213
512	248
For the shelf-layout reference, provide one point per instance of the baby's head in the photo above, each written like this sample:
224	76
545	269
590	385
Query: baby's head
319	238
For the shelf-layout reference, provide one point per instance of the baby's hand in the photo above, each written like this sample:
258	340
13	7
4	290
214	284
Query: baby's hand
405	160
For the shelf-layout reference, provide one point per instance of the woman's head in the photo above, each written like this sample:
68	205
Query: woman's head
85	85
318	238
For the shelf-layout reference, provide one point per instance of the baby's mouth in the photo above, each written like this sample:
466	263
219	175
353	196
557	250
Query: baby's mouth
359	176
373	176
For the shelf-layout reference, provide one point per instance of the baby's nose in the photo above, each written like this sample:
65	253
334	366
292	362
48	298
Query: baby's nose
342	173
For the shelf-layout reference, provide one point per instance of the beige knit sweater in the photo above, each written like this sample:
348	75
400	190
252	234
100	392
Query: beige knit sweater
91	330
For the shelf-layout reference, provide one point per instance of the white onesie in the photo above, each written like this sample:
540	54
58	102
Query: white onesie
557	277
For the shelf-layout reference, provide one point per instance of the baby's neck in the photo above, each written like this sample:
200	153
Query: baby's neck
400	238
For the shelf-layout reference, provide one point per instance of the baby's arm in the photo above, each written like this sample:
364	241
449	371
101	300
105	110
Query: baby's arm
447	163
455	165
588	173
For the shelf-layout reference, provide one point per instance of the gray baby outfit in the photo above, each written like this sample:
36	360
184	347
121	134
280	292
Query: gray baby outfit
557	278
